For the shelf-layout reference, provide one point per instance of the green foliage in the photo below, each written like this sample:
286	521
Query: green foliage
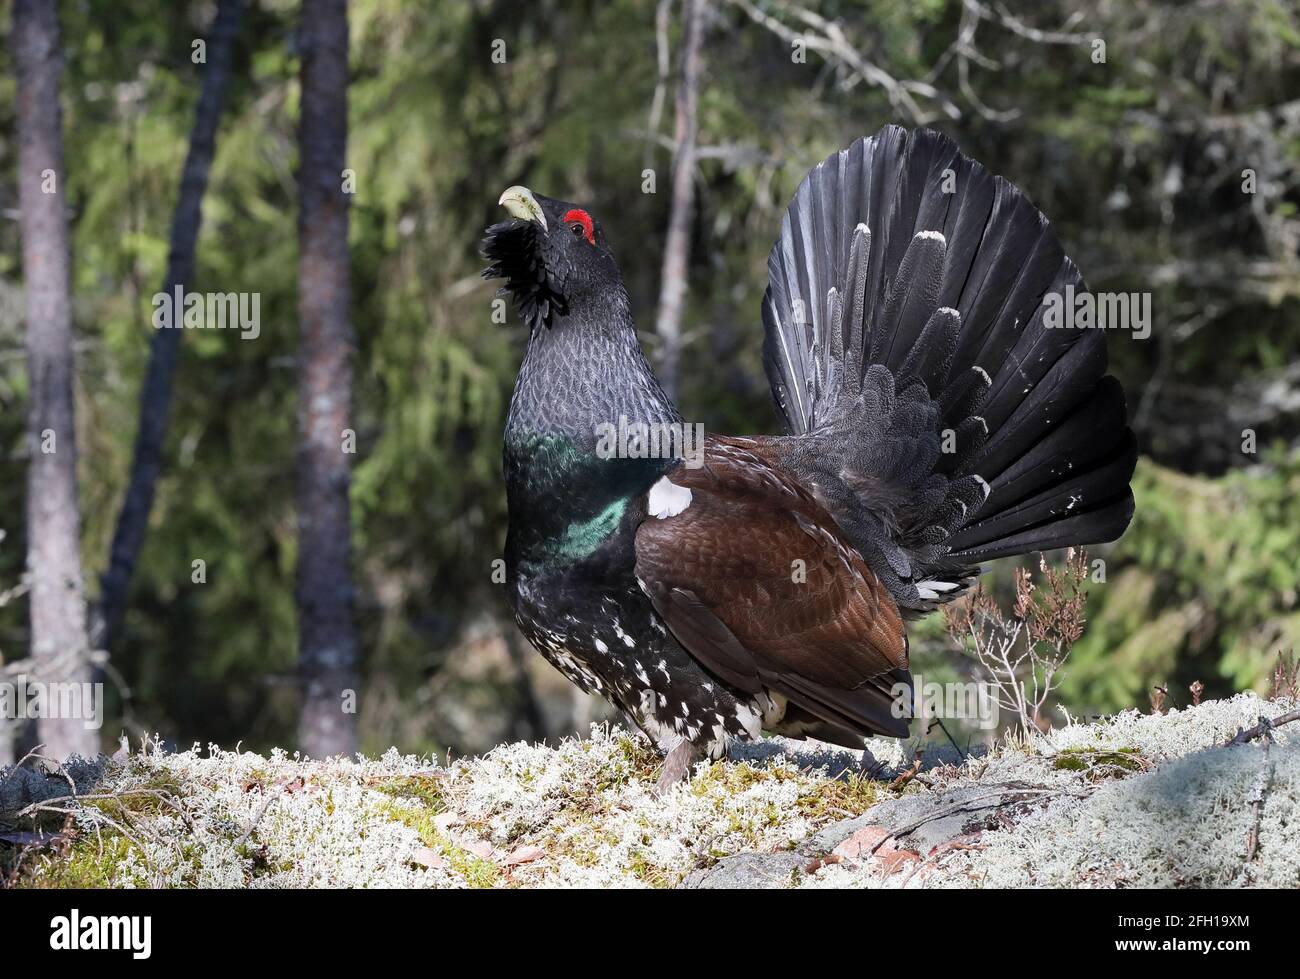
1202	587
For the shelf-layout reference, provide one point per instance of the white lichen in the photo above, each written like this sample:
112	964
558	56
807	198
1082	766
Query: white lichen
1133	800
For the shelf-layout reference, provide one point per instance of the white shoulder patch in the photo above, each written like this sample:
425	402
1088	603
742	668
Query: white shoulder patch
667	499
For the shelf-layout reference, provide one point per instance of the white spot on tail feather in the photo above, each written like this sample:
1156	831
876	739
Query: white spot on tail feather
667	499
938	585
934	588
930	236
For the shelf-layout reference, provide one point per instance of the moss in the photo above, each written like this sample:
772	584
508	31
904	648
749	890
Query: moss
1101	762
638	752
90	859
648	873
156	793
88	863
586	844
476	871
851	794
425	789
721	775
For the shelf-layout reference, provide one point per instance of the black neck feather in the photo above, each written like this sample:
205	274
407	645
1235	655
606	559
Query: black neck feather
583	372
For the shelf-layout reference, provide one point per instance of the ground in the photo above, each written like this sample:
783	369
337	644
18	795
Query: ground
1133	800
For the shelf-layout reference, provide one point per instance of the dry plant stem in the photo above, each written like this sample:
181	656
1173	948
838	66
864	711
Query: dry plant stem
123	824
1157	700
1263	729
69	813
941	851
1022	652
1257	803
961	753
907	775
1286	678
158	794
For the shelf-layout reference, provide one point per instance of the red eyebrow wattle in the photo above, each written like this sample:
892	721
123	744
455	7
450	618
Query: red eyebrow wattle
579	216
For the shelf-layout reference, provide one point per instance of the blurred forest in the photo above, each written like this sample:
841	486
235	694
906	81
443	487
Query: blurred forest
1140	162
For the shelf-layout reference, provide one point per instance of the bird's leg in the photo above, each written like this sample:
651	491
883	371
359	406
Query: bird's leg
677	765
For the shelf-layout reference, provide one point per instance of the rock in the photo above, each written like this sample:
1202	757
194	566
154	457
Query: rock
936	819
749	870
22	786
875	846
924	823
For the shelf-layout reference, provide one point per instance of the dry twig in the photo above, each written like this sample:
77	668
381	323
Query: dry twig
1022	653
1264	728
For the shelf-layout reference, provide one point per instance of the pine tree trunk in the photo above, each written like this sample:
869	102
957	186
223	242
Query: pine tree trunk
156	391
327	641
677	245
59	650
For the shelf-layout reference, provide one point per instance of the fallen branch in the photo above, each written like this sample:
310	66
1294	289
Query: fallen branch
907	776
1263	728
966	803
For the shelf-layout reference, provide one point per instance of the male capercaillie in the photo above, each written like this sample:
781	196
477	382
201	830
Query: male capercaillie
933	421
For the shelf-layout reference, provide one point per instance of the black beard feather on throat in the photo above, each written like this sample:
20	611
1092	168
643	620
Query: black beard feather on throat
514	249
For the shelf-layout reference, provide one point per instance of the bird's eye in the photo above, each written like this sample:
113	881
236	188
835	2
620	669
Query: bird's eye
580	223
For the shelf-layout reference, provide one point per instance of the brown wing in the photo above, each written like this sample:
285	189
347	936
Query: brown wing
754	580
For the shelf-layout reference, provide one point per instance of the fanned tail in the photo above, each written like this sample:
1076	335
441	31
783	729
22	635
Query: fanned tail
936	414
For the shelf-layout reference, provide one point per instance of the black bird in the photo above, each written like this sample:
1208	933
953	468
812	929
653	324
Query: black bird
933	421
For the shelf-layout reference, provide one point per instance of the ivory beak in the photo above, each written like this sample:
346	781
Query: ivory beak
520	203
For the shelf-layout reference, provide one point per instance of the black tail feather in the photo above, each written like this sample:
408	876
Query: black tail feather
1085	439
905	337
